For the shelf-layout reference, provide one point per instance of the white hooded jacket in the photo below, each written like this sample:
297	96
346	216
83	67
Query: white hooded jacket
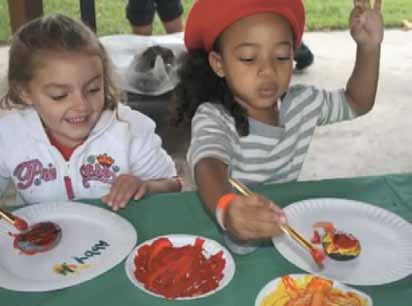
120	143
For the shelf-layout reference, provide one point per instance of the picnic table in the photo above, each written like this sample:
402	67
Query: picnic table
183	213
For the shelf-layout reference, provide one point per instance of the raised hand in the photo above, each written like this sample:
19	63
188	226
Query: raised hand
366	23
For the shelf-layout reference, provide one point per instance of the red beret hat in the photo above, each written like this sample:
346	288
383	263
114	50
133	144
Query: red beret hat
209	18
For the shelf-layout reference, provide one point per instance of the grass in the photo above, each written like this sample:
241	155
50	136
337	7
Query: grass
334	14
110	15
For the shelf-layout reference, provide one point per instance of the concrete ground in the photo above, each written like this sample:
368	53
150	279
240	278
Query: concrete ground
377	143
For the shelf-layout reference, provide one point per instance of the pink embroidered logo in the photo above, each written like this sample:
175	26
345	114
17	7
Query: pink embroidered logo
33	171
100	168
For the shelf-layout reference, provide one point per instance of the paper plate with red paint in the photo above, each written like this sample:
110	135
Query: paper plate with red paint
93	240
180	262
384	237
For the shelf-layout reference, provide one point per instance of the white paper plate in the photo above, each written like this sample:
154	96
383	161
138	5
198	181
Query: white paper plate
386	241
100	239
178	240
273	284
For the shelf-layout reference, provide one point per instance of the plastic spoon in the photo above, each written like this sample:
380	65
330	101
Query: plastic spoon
40	237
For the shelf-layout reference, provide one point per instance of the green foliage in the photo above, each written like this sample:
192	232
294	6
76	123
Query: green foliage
111	19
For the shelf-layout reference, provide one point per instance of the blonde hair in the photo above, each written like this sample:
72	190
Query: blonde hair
53	33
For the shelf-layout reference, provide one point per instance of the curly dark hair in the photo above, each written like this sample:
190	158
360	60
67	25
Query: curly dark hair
200	84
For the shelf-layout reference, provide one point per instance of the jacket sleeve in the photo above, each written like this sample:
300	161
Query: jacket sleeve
4	172
148	159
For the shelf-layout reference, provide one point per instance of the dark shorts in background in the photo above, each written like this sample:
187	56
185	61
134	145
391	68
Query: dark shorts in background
141	12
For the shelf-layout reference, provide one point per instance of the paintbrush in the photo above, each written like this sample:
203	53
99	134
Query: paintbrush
317	254
17	222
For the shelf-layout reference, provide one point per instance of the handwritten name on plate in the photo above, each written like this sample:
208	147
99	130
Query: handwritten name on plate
94	251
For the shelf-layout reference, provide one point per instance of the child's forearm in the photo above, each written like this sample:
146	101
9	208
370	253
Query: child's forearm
164	185
362	85
211	179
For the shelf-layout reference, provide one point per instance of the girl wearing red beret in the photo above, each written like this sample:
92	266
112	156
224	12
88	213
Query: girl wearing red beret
247	122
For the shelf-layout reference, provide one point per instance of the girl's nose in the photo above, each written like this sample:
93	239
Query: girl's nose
267	68
80	101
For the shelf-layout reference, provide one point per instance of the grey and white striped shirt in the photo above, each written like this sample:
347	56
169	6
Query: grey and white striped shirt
268	154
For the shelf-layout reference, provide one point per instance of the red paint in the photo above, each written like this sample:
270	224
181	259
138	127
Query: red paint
20	224
318	255
155	249
344	241
175	272
340	241
40	238
316	237
328	227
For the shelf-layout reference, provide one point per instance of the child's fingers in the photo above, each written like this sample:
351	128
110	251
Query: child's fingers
252	200
257	201
268	215
265	206
265	229
279	211
356	12
114	199
105	199
108	199
123	189
122	196
378	6
275	208
358	3
140	192
362	5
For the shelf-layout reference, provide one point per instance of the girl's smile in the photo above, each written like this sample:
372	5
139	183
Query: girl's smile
78	120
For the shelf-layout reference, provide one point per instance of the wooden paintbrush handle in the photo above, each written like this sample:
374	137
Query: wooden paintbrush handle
7	216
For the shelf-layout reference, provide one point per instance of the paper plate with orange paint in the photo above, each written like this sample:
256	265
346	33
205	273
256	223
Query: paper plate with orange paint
300	289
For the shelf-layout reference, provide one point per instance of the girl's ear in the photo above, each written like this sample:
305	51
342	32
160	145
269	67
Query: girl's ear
24	95
215	61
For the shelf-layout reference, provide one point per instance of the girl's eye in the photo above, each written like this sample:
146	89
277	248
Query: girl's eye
283	58
93	90
247	59
57	98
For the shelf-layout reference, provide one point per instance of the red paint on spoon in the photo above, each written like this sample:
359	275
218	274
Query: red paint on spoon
20	224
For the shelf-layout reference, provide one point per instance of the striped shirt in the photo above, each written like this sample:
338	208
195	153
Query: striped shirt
269	154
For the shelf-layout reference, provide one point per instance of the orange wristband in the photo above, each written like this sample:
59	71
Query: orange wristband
222	206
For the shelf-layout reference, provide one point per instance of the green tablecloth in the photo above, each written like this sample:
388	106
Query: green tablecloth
183	213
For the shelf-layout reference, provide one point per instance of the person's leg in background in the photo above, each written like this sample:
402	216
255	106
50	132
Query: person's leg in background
171	15
303	57
140	14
